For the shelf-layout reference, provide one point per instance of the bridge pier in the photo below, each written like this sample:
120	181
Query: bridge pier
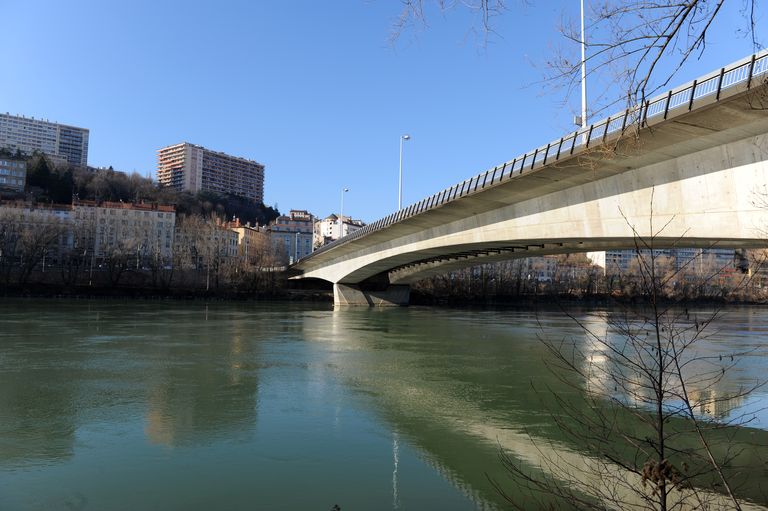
351	294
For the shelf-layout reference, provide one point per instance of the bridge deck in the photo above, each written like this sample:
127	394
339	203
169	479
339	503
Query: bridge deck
725	106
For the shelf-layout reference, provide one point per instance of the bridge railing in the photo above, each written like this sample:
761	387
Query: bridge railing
683	97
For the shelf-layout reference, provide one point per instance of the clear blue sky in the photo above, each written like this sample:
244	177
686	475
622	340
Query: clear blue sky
314	90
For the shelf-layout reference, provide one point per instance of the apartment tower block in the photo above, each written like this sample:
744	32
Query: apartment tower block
189	167
27	134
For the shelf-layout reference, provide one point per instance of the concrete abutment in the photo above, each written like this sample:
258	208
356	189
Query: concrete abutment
353	295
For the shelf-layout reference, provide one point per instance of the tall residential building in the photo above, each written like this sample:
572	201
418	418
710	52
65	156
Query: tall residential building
194	168
27	134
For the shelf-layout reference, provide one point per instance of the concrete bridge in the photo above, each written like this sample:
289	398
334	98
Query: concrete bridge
689	167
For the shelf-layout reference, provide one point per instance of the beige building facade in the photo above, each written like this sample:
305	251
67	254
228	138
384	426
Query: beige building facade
252	241
146	229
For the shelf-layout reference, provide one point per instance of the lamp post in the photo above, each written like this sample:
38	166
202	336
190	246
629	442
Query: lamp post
400	186
341	212
583	118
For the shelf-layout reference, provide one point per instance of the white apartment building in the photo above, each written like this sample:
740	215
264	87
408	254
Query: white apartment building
189	167
330	229
692	261
27	134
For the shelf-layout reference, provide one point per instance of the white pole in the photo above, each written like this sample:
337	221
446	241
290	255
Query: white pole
341	213
583	71
400	181
597	258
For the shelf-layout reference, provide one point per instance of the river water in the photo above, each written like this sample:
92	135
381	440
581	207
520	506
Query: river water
174	405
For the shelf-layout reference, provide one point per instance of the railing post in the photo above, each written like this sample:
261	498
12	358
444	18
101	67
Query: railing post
546	153
751	68
607	123
666	106
693	92
720	84
511	169
559	147
624	120
573	143
522	164
589	135
533	162
486	176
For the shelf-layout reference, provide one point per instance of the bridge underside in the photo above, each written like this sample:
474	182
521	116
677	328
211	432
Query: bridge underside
392	288
700	180
473	256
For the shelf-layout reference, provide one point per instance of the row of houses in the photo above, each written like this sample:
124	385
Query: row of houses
105	228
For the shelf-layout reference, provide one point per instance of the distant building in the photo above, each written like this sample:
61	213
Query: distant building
252	241
13	174
189	167
692	261
292	234
143	229
330	229
37	222
27	134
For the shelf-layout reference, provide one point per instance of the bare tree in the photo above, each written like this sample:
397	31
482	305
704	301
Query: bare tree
647	420
9	242
75	254
638	46
160	262
27	238
635	46
117	258
415	13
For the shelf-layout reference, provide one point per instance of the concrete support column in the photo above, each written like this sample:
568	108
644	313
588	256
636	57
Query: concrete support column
351	294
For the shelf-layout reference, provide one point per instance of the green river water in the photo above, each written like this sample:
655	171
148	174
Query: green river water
190	406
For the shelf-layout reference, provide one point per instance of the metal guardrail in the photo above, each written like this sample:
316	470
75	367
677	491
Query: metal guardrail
682	97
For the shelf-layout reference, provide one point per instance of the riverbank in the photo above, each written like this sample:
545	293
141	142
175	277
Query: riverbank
298	294
92	292
564	299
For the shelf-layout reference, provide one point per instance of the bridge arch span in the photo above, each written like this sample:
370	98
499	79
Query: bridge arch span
708	198
692	173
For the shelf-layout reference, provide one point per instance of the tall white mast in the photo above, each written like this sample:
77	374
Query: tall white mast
583	71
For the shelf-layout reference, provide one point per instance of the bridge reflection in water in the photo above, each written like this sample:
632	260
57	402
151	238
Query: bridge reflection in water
459	388
232	407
